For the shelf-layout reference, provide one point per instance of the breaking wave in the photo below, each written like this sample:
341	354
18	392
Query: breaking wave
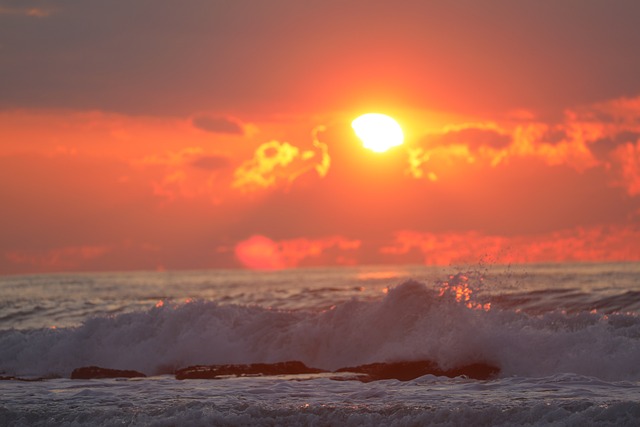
410	322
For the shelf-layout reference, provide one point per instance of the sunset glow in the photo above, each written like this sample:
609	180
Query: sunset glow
242	151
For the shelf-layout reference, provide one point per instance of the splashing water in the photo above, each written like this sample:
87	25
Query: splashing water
461	287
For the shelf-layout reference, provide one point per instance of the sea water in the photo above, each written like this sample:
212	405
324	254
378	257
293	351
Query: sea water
566	338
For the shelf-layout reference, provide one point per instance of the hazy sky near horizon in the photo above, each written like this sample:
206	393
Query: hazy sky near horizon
216	134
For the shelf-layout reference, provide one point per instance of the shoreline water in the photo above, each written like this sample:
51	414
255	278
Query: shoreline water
566	349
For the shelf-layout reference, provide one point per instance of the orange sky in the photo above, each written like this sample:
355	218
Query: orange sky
215	134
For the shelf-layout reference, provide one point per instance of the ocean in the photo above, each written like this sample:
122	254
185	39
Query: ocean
564	340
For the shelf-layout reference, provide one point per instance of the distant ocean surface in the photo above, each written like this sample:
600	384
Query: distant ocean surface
566	338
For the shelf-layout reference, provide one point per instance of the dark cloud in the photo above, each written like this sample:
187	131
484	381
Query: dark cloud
218	125
602	147
210	163
554	136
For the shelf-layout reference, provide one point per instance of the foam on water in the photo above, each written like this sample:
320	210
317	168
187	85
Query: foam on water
411	322
162	401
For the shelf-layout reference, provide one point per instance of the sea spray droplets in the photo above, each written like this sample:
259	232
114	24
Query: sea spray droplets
461	287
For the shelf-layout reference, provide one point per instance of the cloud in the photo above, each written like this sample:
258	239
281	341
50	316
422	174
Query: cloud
554	135
446	248
276	162
621	112
628	157
603	147
261	253
174	158
428	162
458	144
599	243
492	144
210	163
474	136
296	251
179	178
325	160
268	163
218	124
72	257
600	135
611	132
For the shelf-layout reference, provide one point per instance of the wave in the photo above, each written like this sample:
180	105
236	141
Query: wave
570	300
411	322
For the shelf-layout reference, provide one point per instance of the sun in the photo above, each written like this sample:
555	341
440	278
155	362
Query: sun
378	132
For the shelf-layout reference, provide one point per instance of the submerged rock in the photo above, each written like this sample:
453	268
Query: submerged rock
96	372
12	378
405	371
254	369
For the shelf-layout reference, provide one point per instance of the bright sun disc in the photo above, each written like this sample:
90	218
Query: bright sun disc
378	132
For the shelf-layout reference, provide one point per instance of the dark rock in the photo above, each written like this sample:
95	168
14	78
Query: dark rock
12	378
95	372
476	371
405	371
254	369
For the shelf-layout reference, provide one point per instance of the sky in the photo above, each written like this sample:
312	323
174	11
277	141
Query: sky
167	135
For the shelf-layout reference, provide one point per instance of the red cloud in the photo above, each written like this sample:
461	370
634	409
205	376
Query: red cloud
583	244
628	156
603	135
261	253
